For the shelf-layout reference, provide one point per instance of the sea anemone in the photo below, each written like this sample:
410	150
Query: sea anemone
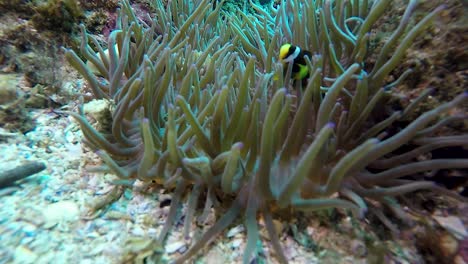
202	108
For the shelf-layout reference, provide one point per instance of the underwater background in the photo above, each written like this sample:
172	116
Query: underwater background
233	131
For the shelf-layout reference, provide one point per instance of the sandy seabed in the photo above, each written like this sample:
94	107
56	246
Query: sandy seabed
46	217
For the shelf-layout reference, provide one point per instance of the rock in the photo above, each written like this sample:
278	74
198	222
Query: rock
37	97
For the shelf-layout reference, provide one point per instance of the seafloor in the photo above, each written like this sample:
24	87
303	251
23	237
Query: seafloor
46	218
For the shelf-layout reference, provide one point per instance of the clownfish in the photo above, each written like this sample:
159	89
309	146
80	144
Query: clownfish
295	55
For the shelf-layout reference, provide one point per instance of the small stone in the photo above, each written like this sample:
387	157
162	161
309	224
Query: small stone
236	243
235	230
173	247
100	110
346	226
452	224
138	231
64	211
29	229
459	260
49	225
24	255
279	227
216	256
448	245
181	250
358	248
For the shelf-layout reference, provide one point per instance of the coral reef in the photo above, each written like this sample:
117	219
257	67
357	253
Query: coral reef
60	15
24	50
202	108
16	6
31	58
436	58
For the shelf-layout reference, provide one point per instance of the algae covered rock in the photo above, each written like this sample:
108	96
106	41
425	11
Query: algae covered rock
8	90
13	113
